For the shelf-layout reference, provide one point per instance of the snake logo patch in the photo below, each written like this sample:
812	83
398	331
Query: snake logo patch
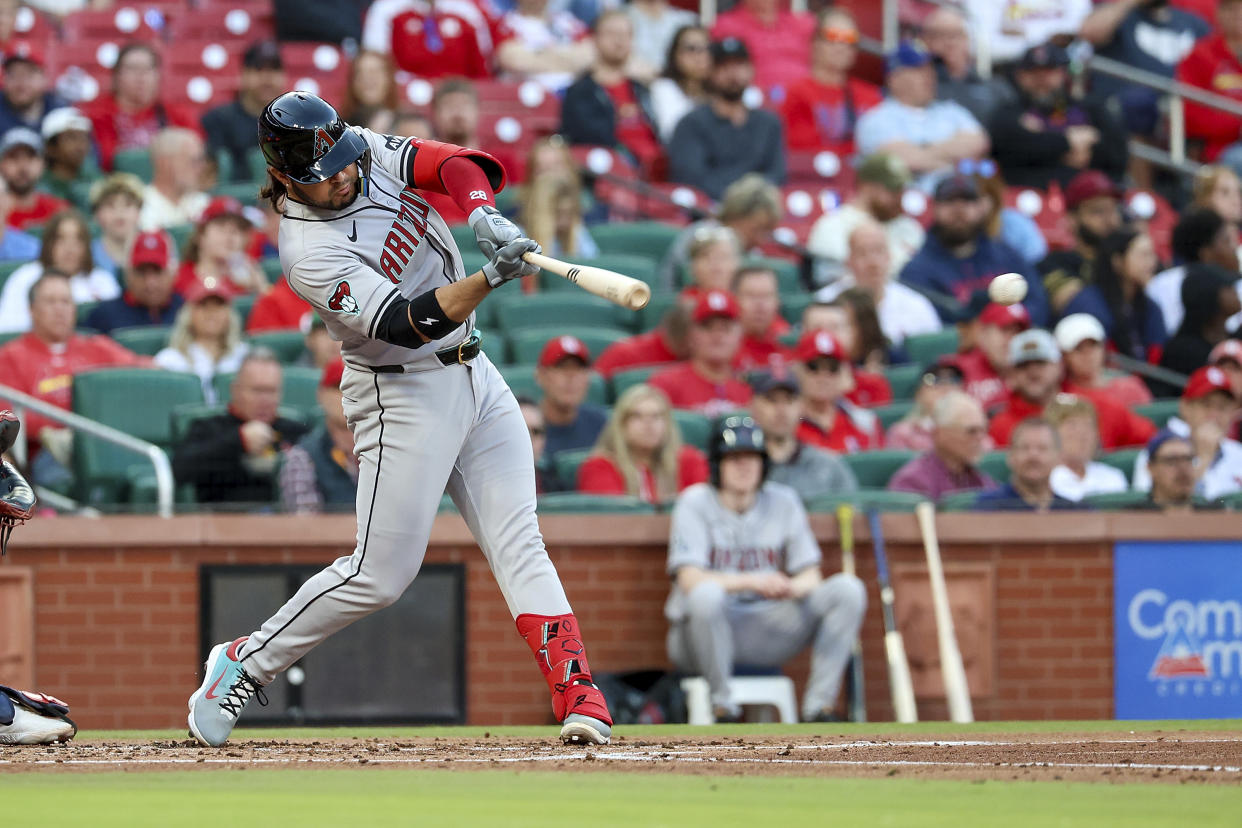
342	300
323	142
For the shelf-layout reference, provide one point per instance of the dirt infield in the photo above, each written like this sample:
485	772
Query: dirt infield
1171	756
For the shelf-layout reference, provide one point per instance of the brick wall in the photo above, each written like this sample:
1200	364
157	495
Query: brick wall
116	605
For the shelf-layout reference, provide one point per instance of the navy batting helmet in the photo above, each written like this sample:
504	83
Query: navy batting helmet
302	136
733	434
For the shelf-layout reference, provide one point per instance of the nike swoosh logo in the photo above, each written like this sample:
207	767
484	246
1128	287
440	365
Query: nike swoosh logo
353	232
210	694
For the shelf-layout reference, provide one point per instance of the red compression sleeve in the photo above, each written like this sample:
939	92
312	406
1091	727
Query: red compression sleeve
466	183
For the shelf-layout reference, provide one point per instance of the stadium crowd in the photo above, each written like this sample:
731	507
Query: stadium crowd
820	231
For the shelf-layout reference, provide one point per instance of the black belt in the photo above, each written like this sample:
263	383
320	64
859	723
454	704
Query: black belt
459	354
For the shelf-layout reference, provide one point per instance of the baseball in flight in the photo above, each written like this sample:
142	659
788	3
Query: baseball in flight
1007	289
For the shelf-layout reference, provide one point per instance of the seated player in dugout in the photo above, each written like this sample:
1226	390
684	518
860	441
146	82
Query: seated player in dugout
747	586
429	411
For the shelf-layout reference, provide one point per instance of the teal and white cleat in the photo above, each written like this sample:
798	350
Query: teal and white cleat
217	704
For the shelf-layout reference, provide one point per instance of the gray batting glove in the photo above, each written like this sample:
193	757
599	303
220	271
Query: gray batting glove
492	231
508	262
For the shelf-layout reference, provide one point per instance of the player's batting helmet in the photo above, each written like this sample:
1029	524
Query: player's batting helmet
733	434
302	136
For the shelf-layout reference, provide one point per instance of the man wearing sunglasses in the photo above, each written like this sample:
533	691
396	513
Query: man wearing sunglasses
829	419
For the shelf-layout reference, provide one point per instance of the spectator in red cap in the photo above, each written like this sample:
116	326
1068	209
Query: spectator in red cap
984	366
174	195
230	127
959	438
216	252
43	362
705	382
829	419
759	309
779	39
132	113
1081	338
1207	408
320	472
640	453
564	375
21	166
1035	375
1093	204
1050	134
869	388
206	337
24	96
1227	356
149	298
667	343
66	249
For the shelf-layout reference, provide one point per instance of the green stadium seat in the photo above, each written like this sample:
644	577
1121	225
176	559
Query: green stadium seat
244	305
867	498
636	267
446	505
1233	502
1116	500
181	416
578	502
787	275
695	428
548	312
136	401
567	463
147	340
247	192
646	238
925	349
287	345
958	501
874	468
6	270
272	270
1158	411
904	380
994	463
83	310
1122	460
463	235
472	260
495	344
792	306
180	235
893	412
521	380
623	380
649	317
8	336
526	345
135	161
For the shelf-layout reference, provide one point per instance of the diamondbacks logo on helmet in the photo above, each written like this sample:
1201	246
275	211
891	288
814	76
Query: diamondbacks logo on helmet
342	300
323	142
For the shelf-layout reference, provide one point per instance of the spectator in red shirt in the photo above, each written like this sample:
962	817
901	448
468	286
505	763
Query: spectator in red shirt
640	452
216	256
1213	65
822	109
280	309
714	259
829	419
867	388
543	45
43	362
131	115
706	382
1081	339
984	366
21	166
431	39
607	106
759	307
1035	379
667	343
779	40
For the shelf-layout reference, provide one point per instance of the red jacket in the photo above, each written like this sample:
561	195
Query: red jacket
45	206
115	130
686	388
852	430
599	475
278	309
870	389
30	365
1118	426
642	349
1213	67
981	380
820	117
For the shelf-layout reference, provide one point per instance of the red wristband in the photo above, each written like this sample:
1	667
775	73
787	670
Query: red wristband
466	183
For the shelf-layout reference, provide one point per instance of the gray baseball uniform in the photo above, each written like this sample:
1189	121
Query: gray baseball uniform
711	630
420	427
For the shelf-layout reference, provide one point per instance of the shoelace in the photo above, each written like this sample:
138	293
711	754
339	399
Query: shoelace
240	693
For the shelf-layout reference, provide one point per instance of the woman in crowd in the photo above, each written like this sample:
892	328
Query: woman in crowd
914	431
683	86
1117	295
66	248
205	339
714	259
115	203
872	350
1006	224
1081	339
1078	474
371	94
215	255
640	453
551	205
1210	296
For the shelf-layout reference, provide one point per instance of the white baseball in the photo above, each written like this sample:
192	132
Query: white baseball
1007	289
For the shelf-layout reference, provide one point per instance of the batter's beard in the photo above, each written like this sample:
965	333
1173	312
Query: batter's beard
298	194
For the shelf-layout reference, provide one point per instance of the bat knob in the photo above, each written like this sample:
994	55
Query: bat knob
9	426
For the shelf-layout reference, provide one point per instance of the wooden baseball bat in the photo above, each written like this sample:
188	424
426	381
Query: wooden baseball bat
951	668
901	687
621	290
858	696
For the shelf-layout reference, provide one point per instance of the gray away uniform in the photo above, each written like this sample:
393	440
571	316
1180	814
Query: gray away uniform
711	630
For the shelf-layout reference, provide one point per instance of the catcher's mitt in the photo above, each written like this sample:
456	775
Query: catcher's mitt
17	499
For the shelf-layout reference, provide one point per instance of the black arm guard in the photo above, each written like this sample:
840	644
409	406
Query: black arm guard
403	321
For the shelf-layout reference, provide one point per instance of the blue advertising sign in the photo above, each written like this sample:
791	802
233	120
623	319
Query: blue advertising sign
1177	644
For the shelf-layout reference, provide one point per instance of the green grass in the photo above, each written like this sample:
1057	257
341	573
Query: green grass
597	800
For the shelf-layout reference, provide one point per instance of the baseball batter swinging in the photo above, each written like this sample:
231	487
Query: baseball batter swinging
428	410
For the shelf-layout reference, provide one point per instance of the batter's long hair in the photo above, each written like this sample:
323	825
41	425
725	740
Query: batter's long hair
274	192
612	445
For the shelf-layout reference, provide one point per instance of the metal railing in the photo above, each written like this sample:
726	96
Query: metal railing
164	482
